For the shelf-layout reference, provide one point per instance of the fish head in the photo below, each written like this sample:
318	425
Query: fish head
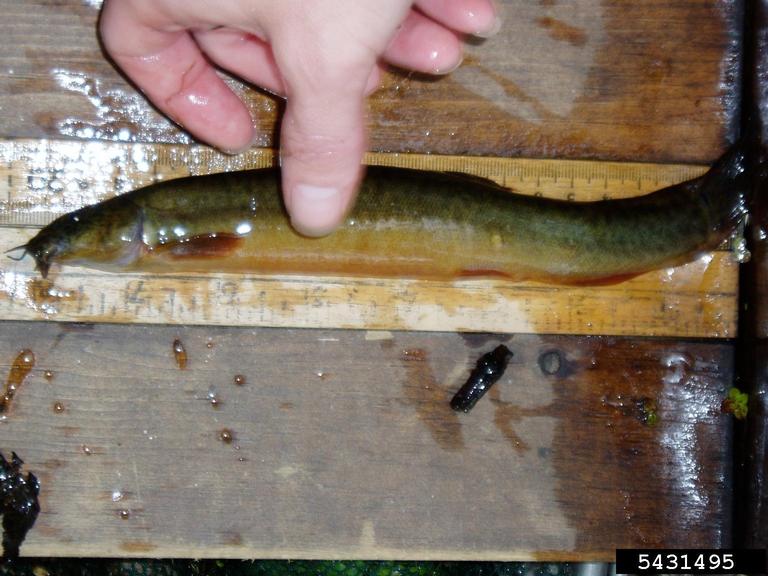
103	237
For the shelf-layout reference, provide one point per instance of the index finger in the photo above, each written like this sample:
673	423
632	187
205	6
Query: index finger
167	65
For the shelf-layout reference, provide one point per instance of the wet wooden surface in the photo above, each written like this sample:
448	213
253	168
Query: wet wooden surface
343	444
752	439
643	81
346	444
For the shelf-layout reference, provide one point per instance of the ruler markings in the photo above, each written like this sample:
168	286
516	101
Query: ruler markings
45	179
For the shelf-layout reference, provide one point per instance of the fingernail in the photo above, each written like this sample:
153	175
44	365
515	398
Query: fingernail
451	68
254	141
315	210
492	31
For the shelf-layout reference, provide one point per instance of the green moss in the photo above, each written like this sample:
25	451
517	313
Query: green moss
736	403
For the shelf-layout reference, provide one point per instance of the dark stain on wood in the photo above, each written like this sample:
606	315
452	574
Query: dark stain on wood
482	339
670	455
137	546
43	293
69	431
505	413
431	400
232	539
554	362
20	368
562	31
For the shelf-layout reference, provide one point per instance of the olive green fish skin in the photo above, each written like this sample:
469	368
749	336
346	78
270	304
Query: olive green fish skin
405	223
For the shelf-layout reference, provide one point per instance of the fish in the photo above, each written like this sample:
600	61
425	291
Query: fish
405	224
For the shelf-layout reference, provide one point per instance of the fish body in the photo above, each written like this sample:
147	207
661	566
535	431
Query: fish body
405	223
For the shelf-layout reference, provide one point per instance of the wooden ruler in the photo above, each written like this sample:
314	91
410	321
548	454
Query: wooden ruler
40	180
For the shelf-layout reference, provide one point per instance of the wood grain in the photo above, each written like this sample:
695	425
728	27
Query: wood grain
344	444
695	300
651	81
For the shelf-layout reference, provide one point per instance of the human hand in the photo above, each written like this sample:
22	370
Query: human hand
322	55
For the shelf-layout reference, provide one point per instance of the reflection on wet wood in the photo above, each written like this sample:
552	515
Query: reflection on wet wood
752	441
343	444
591	78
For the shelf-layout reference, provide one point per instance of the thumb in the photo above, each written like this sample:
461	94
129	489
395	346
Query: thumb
321	148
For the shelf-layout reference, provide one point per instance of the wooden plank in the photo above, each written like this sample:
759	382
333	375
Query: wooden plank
695	300
752	441
344	444
41	180
653	81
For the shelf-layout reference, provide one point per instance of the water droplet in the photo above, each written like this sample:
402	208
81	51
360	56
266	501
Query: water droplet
86	450
243	228
209	344
22	365
213	398
125	514
679	363
707	258
117	496
239	380
226	436
48	375
58	407
180	354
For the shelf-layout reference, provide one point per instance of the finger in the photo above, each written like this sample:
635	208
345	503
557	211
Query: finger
322	144
243	54
176	77
423	45
477	17
374	80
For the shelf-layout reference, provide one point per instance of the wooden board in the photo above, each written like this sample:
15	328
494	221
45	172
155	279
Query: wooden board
346	447
344	444
652	81
41	180
752	439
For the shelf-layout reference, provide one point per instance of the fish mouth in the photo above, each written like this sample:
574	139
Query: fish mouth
42	261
